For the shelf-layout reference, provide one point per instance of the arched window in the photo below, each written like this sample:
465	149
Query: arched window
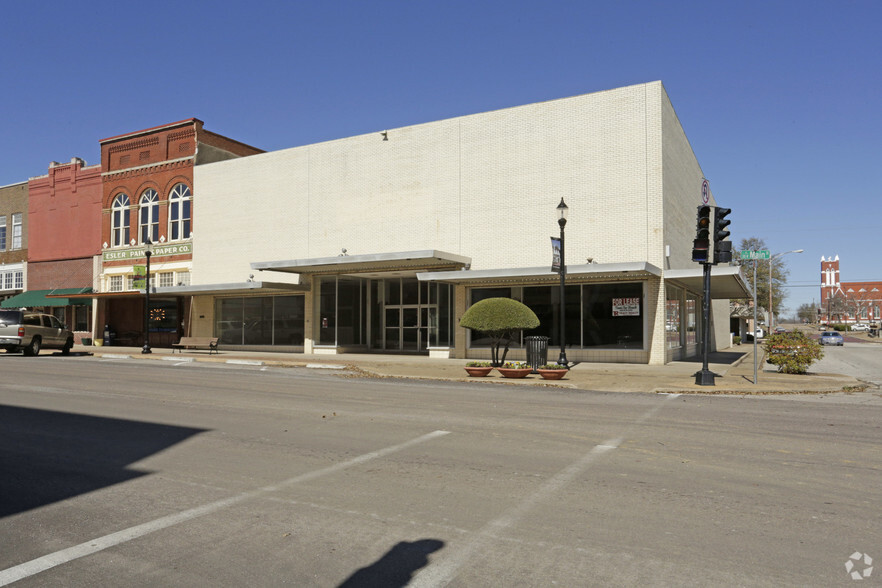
179	202
119	221
149	212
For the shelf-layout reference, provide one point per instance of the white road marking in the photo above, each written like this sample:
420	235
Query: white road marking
442	573
41	564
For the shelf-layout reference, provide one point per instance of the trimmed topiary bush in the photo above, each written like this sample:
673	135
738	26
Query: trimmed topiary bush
500	319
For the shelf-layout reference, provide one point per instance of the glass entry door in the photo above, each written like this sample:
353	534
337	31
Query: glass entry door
407	327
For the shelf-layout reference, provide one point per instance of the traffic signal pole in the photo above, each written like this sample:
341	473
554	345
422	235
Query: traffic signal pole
705	377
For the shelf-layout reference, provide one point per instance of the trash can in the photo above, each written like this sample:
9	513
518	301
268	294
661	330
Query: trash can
537	351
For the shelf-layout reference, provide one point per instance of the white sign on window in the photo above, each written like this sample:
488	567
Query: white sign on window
626	307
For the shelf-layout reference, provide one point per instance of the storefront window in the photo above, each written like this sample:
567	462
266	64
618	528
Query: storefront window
262	320
612	315
545	302
691	319
672	318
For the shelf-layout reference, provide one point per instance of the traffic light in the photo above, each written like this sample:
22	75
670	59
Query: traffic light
722	248
701	244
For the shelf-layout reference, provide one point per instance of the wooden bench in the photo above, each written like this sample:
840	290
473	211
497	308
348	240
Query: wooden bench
209	343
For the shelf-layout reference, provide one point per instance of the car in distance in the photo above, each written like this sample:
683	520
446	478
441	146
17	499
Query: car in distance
831	338
860	327
780	330
28	332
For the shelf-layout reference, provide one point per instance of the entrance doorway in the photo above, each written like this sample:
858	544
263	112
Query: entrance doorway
393	314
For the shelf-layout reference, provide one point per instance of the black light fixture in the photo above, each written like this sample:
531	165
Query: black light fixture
148	251
562	210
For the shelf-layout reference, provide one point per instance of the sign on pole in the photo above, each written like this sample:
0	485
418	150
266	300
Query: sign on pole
761	254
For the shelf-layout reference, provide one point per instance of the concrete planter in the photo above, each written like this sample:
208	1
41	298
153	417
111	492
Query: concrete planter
514	372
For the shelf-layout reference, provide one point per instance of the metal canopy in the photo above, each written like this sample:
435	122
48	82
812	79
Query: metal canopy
543	274
727	281
375	262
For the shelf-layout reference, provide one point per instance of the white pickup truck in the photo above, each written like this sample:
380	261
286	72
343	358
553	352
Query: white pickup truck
28	332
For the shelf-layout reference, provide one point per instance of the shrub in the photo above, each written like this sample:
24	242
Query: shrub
793	353
500	319
736	339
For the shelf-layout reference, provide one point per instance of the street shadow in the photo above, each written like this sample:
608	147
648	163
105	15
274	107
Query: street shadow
726	357
397	567
47	456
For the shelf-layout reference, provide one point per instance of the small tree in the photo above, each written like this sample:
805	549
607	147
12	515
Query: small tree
792	352
500	319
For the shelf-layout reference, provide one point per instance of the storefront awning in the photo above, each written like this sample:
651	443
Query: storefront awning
410	261
38	298
196	290
544	274
727	281
235	288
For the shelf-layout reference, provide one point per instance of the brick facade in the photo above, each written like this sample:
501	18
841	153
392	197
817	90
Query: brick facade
847	302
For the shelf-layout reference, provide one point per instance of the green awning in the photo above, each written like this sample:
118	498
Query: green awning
36	298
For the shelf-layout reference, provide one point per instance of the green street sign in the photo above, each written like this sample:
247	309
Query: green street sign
761	254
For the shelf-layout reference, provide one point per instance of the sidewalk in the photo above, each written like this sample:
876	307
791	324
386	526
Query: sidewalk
734	369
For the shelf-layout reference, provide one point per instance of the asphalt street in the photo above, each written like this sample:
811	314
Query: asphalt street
128	473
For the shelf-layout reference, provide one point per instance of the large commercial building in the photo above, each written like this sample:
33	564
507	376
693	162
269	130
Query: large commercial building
380	242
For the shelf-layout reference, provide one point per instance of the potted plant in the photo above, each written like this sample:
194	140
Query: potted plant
478	369
552	371
514	369
500	319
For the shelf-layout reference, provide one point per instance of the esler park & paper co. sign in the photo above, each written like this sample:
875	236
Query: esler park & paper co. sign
138	252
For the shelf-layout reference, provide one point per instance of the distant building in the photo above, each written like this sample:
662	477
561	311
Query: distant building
13	238
847	302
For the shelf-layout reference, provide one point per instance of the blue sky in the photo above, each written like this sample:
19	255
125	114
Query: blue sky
780	100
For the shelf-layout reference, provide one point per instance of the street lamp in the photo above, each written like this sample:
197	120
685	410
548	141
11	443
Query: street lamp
148	251
771	310
562	210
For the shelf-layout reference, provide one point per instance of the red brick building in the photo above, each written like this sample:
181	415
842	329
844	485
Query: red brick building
64	218
847	302
148	194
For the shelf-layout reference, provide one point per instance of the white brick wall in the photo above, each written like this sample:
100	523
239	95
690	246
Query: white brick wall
484	186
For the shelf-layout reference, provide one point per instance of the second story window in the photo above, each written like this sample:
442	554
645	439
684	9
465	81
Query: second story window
2	233
179	212
16	230
148	211
119	221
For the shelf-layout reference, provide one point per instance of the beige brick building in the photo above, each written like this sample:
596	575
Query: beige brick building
381	241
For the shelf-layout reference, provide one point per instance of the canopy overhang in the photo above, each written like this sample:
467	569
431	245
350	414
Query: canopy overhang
401	262
40	298
608	271
727	281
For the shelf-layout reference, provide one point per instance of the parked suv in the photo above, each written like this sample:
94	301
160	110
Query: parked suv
28	332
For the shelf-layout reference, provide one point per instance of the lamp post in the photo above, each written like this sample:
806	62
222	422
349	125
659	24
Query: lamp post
771	310
148	251
562	210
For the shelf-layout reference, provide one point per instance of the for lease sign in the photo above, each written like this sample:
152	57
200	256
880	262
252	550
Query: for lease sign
626	307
